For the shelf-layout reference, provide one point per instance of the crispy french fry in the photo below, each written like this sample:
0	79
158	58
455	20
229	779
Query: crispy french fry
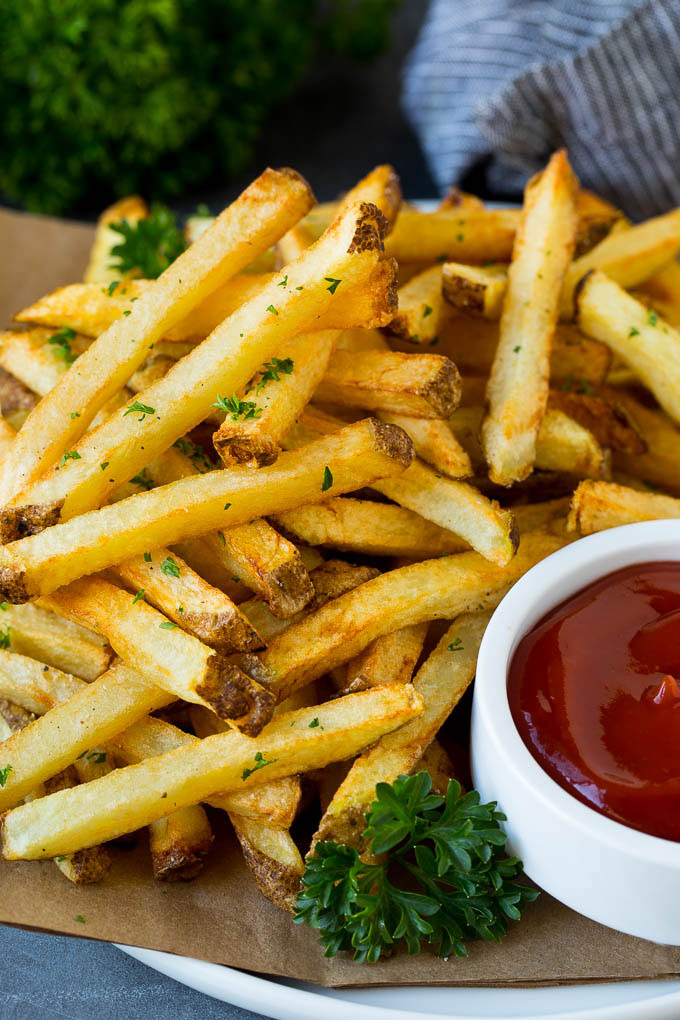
517	391
34	686
253	554
37	363
434	442
596	219
43	635
330	580
179	843
92	715
137	795
596	506
551	514
442	680
273	858
467	235
457	199
608	421
420	307
476	290
637	334
296	372
421	385
445	502
170	585
390	659
353	457
373	529
99	268
433	589
664	287
627	256
250	224
163	653
660	465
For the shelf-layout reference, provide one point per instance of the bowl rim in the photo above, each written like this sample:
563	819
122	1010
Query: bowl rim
504	631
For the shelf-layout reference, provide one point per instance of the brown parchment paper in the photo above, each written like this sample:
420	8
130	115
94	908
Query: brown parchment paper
221	917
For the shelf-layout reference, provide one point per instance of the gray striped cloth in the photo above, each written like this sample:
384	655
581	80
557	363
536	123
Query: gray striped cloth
495	86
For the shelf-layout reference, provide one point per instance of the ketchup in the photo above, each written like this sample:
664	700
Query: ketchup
594	692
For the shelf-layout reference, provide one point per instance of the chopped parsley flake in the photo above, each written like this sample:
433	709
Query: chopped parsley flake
227	505
271	370
333	284
456	646
143	410
517	349
69	455
111	287
147	557
283	282
167	625
633	332
427	310
270	308
139	597
260	762
81	919
245	410
143	479
327	479
652	317
4	774
104	464
74	415
61	346
169	567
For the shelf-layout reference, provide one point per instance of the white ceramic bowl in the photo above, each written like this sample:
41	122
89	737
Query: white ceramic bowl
618	876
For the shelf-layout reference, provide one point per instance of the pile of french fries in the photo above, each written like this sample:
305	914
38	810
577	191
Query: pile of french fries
409	409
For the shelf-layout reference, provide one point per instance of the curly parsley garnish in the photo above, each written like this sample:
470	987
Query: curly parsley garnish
238	410
148	246
143	410
260	762
61	344
449	849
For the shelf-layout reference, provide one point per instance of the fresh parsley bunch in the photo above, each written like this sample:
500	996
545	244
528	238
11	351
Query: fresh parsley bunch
148	246
109	97
441	876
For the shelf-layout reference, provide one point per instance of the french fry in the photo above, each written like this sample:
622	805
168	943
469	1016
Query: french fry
450	504
164	653
434	442
628	257
16	400
442	680
137	795
457	199
372	529
330	580
273	858
67	646
179	843
463	235
183	596
596	506
660	465
608	421
471	343
257	443
92	715
517	390
548	516
562	444
420	307
421	385
433	589
37	363
253	554
664	288
7	435
25	681
99	268
250	224
390	659
637	334
353	457
476	290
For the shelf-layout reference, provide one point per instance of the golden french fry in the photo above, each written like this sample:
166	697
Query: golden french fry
421	385
250	224
420	307
434	442
442	680
457	199
390	659
37	363
637	334
466	235
330	580
273	858
433	589
596	506
170	585
43	635
92	715
162	652
627	256
596	219
137	795
179	843
517	390
99	268
660	465
373	529
476	290
351	458
608	421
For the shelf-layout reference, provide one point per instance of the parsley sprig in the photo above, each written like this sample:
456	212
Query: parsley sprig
61	344
148	246
272	371
450	848
244	410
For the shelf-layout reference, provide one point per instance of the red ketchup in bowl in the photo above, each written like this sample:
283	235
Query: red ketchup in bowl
594	690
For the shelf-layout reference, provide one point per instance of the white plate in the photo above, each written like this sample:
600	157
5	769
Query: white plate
295	1000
